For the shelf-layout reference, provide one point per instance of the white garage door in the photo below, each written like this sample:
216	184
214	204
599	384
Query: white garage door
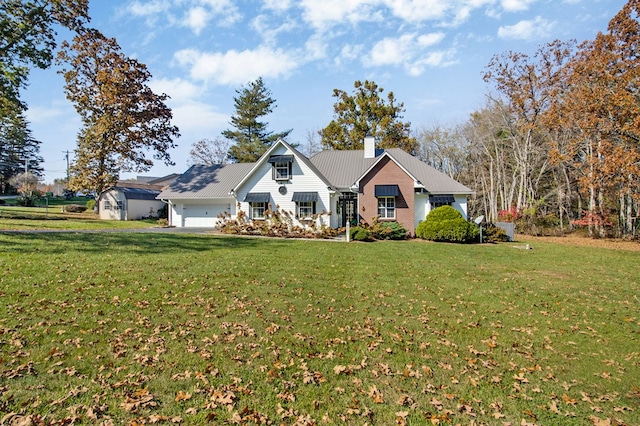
202	216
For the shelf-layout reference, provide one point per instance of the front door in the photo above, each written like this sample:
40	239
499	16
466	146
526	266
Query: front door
349	207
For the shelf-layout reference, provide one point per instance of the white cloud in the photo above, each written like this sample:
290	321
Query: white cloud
408	50
537	28
419	10
325	13
237	67
277	5
190	113
348	53
155	7
270	32
226	10
196	14
41	114
193	116
516	5
196	19
178	89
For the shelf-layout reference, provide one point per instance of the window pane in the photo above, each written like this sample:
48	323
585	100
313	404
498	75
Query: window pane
305	209
387	207
282	171
257	210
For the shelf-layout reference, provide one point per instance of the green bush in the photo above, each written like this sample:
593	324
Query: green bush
27	200
388	231
446	224
75	208
91	205
494	234
359	233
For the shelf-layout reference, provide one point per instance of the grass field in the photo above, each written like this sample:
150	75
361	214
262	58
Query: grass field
53	217
159	328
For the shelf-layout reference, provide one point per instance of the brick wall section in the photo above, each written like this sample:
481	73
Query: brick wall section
388	172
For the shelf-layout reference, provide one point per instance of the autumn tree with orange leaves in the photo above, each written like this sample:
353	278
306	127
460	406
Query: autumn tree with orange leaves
564	132
122	117
599	114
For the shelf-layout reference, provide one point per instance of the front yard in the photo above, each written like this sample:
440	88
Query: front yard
157	328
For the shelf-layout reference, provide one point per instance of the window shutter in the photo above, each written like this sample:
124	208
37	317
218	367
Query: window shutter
314	207
290	169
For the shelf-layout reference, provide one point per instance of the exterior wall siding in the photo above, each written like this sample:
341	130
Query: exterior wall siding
303	179
460	204
132	209
112	196
137	209
387	172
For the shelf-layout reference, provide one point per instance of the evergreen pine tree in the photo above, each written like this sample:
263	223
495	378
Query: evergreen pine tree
250	136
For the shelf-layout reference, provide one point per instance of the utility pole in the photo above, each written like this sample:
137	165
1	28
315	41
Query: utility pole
66	154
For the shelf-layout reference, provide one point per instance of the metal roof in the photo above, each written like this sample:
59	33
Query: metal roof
138	193
433	180
344	168
202	181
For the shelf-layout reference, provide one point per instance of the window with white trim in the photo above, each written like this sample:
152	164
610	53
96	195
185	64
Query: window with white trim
257	210
306	209
106	205
120	205
387	207
281	171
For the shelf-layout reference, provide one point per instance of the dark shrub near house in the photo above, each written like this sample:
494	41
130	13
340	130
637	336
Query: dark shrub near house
75	208
360	233
494	234
388	231
446	224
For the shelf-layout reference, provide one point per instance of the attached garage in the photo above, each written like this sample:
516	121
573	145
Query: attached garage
194	215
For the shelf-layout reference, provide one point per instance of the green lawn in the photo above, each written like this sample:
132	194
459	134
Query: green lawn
54	217
157	328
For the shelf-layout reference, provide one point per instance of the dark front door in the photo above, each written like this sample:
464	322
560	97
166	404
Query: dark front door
349	207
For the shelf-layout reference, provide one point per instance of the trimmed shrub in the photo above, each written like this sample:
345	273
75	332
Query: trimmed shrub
75	208
446	224
359	233
494	234
388	231
91	205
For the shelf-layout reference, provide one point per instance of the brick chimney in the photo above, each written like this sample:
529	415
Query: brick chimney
369	146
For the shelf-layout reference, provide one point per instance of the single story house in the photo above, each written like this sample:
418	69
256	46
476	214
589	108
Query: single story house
129	201
330	188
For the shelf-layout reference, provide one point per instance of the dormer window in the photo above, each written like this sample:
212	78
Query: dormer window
281	167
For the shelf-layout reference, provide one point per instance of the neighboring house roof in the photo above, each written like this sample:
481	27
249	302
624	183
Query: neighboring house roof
164	181
202	181
138	193
135	190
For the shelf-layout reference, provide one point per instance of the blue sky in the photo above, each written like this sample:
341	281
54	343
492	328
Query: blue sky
429	53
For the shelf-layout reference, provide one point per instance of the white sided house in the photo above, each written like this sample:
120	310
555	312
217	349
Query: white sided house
330	188
129	201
